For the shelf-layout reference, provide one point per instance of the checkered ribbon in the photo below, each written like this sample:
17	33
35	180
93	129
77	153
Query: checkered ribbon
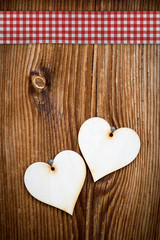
80	27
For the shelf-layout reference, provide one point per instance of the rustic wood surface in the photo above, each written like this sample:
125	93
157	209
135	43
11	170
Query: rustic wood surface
117	82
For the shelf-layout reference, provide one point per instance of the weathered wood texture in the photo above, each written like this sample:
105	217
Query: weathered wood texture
119	83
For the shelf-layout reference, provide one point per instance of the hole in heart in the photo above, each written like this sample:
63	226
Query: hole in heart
52	168
111	134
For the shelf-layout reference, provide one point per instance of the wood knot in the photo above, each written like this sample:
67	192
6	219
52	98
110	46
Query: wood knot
39	89
38	82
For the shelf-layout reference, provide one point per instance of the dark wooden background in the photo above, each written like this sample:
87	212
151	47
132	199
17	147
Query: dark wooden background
117	82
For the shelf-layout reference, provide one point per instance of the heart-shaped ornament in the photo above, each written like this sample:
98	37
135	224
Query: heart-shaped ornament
106	151
59	185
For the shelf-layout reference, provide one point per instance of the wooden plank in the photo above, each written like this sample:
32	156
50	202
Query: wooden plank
117	82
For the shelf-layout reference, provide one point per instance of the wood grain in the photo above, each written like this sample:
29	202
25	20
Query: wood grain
117	82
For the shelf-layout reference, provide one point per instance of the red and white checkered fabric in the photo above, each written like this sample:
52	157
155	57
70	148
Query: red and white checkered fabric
80	27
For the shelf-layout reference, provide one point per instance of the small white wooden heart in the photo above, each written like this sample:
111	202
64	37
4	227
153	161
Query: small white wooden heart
59	188
105	154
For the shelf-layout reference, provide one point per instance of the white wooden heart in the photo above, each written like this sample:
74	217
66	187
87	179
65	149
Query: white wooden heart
105	154
59	188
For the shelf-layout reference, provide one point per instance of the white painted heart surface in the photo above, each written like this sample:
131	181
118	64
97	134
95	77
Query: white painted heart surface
59	188
105	154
